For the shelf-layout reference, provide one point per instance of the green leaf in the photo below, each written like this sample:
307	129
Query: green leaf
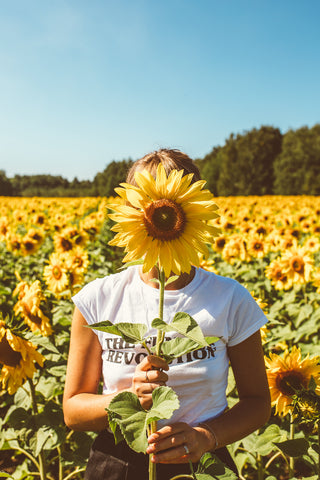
131	264
171	279
184	324
126	411
4	475
265	441
210	466
294	448
130	332
41	436
176	347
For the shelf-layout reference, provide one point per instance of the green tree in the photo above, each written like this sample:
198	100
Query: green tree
209	168
297	168
105	182
6	188
246	162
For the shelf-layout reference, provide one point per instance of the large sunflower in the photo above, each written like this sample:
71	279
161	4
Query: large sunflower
288	374
19	358
165	220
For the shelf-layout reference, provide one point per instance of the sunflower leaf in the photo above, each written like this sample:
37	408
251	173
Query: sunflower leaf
184	324
130	332
131	264
177	347
171	279
294	448
126	412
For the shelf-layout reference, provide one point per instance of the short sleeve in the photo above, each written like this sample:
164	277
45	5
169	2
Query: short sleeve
246	317
84	300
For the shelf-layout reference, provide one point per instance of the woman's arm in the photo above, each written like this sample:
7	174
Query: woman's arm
83	407
251	412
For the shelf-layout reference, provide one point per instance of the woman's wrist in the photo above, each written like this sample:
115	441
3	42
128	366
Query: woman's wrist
211	435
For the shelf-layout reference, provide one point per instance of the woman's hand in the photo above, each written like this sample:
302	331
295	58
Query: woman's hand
179	443
149	375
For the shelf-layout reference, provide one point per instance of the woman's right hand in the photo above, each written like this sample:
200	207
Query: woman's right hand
149	375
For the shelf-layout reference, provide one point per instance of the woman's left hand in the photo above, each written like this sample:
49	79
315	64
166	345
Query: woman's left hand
179	443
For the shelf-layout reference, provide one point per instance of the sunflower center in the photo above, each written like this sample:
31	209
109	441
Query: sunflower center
56	272
297	264
66	245
290	382
164	219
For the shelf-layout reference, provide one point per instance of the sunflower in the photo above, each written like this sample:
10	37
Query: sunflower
289	374
77	260
55	274
257	246
297	265
29	305
19	358
275	273
165	220
236	248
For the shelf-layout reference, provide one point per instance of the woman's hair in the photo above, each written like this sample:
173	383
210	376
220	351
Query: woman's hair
170	159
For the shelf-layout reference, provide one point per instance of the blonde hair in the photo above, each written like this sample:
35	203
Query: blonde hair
171	159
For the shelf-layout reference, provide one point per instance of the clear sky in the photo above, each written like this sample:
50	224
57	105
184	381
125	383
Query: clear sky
83	82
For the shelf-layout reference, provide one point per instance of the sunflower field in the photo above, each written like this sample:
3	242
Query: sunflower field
50	248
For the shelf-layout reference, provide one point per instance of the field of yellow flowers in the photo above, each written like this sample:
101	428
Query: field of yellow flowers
51	247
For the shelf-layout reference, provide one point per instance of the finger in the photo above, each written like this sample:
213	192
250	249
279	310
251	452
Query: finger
154	376
152	362
168	431
175	441
180	454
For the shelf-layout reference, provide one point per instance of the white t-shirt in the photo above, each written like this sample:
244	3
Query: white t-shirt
221	306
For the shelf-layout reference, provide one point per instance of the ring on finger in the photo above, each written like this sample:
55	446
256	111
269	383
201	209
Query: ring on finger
186	449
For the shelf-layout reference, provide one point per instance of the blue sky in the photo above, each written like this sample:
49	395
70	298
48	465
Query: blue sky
83	82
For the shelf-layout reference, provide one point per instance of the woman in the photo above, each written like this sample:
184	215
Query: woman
222	307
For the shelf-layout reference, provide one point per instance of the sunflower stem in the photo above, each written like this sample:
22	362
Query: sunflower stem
318	450
160	338
291	436
160	335
42	464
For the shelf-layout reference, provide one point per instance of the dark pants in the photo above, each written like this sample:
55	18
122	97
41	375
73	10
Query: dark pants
108	461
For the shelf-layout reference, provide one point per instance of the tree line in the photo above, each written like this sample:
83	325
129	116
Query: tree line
256	162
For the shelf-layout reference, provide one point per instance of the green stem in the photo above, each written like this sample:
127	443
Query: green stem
318	450
75	472
27	454
181	476
160	334
160	338
60	464
291	436
260	467
42	464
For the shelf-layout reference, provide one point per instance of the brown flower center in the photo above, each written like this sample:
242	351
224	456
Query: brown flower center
56	272
297	264
258	246
66	245
289	382
164	219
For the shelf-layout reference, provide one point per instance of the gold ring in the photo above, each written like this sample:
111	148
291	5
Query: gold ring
186	449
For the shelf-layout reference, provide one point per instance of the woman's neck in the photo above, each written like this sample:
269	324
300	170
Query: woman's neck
181	281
